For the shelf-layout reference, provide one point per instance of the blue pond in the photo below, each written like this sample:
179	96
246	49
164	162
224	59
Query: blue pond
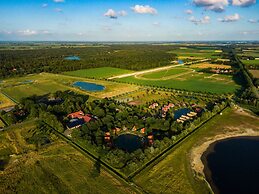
180	112
89	86
129	142
73	58
180	62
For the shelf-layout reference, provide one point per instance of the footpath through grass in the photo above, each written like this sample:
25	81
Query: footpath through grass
174	173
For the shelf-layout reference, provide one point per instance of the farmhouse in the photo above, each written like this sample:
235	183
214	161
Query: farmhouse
75	123
78	119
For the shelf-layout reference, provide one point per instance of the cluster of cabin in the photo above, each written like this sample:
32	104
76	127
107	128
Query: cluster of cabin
77	119
187	117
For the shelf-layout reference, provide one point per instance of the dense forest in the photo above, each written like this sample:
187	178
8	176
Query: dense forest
134	57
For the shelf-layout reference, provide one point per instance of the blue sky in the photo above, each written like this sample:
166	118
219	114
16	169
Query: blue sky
129	20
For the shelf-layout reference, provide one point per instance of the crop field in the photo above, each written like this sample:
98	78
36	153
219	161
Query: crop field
251	62
45	83
102	72
255	73
5	102
174	173
209	65
165	73
1	124
54	168
191	81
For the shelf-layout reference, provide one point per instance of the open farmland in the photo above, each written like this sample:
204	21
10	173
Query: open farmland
164	73
255	73
209	65
45	83
174	173
102	72
54	168
5	102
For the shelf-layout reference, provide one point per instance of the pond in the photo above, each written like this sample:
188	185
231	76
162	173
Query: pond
180	62
232	165
72	58
27	82
180	112
92	87
129	142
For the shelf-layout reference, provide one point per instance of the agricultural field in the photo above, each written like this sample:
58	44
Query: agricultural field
5	102
209	65
191	81
255	73
174	173
1	124
98	73
53	168
251	62
164	73
44	83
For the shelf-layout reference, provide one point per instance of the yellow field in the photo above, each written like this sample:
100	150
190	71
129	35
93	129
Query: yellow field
5	102
1	124
209	65
255	73
218	51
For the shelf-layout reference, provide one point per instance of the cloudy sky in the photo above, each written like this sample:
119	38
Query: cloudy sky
129	20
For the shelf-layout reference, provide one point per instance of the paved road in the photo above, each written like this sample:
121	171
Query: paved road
154	70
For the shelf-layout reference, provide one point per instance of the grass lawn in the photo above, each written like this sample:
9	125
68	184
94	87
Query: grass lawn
191	82
54	168
102	72
174	173
5	102
164	73
45	83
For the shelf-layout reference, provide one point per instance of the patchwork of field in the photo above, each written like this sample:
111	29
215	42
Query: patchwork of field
174	173
210	65
53	168
44	83
192	81
5	102
102	72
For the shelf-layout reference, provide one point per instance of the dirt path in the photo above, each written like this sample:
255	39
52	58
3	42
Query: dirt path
154	70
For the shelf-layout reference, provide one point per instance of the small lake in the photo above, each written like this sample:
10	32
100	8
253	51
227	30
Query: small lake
72	58
129	142
180	112
232	165
180	62
92	87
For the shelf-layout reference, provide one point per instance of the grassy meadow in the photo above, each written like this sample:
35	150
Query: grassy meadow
102	72
174	174
45	83
53	168
164	73
5	102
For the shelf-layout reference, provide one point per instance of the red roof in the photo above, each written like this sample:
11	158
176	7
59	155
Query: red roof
80	115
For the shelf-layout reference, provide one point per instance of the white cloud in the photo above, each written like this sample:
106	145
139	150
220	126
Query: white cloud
156	24
44	5
214	5
27	32
230	18
253	21
59	1
122	13
58	10
144	9
204	20
111	14
188	11
243	3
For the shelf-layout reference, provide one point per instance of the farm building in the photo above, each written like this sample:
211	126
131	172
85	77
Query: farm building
80	115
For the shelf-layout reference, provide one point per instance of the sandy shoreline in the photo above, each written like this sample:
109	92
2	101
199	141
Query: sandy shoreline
197	152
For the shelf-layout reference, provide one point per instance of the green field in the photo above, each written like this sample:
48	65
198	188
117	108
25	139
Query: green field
102	72
250	62
54	168
174	174
1	124
165	73
45	83
192	82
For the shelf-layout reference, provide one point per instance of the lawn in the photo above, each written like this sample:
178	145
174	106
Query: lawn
53	168
165	73
198	82
5	102
45	83
174	174
102	72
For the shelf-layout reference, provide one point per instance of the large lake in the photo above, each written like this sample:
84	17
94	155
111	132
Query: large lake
232	165
129	142
92	87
